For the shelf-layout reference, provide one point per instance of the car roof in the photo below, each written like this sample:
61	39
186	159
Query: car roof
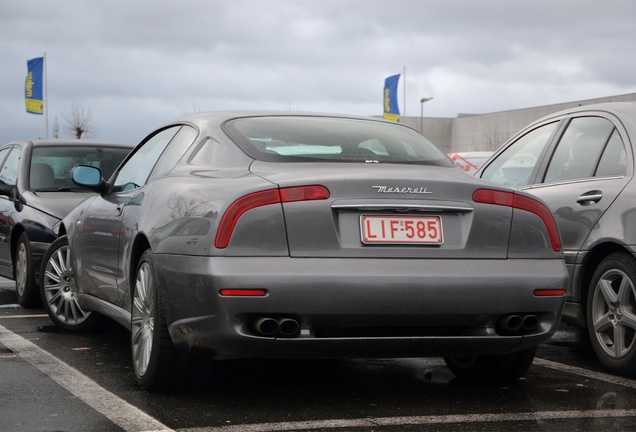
226	115
216	118
625	110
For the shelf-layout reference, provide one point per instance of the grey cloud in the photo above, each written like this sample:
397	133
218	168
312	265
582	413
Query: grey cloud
140	63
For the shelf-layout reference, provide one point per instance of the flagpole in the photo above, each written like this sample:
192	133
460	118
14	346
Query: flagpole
46	99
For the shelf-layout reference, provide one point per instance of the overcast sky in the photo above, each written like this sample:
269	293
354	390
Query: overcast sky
137	64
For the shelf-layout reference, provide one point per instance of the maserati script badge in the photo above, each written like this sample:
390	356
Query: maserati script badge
401	190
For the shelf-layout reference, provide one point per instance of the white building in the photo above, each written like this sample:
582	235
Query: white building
482	132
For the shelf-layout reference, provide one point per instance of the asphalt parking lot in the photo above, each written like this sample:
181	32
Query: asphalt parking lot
53	380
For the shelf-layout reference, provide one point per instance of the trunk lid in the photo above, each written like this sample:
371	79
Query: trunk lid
394	197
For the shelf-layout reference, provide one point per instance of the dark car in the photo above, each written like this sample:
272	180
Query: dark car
273	235
36	192
581	163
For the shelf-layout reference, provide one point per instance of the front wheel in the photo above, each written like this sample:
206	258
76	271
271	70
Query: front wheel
505	367
28	294
611	313
58	290
157	364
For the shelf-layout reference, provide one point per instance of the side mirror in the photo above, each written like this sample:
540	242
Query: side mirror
88	177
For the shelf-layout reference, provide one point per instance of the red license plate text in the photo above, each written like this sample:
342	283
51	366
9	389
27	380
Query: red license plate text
401	229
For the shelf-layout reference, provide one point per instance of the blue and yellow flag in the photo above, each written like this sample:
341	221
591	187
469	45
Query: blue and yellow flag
391	109
33	93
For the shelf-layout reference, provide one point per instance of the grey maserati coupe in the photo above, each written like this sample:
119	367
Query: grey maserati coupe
298	235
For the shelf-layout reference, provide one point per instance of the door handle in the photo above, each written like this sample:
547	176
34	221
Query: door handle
590	197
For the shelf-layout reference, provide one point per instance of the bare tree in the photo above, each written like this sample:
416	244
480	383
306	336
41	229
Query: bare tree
491	140
79	122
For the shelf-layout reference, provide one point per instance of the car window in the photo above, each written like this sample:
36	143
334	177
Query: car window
579	149
614	159
3	154
322	139
51	166
136	170
375	146
514	165
178	146
9	171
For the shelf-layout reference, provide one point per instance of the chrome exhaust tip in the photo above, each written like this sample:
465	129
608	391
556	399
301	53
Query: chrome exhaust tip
288	326
530	322
511	322
266	326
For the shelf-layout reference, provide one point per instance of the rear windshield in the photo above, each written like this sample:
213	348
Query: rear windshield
313	139
51	166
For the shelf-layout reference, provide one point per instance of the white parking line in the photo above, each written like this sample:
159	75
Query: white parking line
586	373
132	419
120	412
460	418
24	316
417	420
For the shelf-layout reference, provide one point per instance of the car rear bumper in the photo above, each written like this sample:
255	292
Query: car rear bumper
358	307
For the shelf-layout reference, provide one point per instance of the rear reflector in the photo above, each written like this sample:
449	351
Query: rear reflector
549	292
243	292
262	198
510	199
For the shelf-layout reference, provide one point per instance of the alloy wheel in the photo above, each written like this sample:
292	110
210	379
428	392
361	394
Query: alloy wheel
613	315
143	319
59	289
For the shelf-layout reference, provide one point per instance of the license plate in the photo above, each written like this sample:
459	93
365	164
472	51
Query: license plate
401	229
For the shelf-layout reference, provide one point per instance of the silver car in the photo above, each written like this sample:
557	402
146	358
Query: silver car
581	163
292	235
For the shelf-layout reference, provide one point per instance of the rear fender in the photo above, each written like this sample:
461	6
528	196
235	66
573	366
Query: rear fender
259	232
529	237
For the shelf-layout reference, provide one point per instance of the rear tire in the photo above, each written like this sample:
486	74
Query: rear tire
611	313
157	364
505	367
28	293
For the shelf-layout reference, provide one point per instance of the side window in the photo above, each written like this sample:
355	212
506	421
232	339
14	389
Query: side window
9	172
614	159
3	154
579	149
515	164
178	146
137	169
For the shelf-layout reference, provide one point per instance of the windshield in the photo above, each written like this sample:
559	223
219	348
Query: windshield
51	166
325	139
